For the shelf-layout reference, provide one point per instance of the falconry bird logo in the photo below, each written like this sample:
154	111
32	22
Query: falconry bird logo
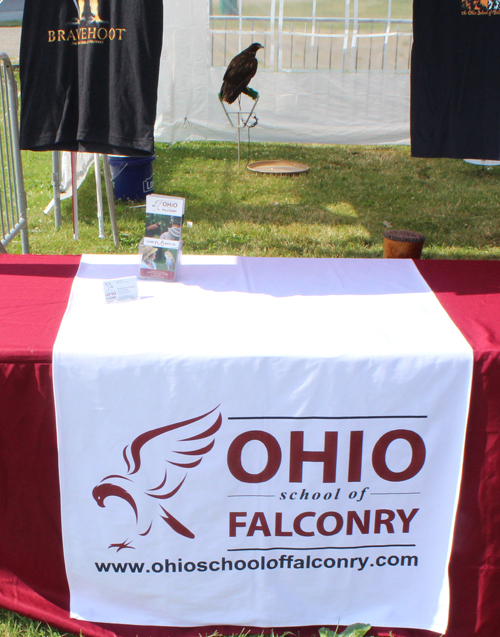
145	488
88	11
240	71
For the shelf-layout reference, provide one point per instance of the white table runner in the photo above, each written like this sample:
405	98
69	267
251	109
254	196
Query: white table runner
266	442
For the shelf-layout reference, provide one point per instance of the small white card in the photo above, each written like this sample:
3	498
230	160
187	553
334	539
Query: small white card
120	289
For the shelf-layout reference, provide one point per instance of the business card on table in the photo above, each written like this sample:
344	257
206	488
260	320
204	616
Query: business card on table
123	289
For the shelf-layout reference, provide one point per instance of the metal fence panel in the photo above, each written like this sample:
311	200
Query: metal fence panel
305	36
12	194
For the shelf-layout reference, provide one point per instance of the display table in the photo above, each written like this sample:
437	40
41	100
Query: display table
34	292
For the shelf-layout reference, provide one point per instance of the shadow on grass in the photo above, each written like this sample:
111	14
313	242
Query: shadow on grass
341	207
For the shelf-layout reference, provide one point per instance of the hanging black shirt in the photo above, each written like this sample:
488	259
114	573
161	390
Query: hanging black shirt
89	75
455	81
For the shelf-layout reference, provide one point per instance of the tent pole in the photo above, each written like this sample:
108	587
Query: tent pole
74	195
98	187
56	181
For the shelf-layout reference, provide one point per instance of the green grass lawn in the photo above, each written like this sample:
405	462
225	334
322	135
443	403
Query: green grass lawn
13	625
340	208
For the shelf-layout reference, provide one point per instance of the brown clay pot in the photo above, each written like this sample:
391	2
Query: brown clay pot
403	244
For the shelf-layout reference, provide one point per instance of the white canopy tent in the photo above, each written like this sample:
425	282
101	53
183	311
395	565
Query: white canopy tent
332	71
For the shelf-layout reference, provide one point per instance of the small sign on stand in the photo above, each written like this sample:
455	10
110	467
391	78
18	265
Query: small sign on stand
124	289
161	248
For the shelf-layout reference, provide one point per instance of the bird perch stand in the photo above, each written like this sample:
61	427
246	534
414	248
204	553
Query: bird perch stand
240	118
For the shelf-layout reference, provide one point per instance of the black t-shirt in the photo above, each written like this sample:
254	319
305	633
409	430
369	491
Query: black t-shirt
89	75
455	79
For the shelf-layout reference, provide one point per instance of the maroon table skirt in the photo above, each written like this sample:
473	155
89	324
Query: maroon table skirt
34	291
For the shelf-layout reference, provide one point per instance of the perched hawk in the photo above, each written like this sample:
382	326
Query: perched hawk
240	71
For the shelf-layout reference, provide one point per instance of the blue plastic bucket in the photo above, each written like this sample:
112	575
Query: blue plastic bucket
132	176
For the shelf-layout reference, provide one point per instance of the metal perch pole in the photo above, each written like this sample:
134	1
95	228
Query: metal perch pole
242	119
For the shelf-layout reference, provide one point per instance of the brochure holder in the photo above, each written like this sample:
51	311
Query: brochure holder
160	250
